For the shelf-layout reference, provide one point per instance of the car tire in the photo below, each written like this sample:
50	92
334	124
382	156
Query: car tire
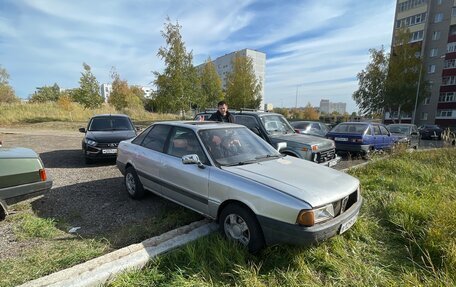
133	185
239	224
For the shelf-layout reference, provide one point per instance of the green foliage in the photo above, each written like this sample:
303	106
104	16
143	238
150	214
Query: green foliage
88	93
46	94
178	85
122	96
243	89
405	236
30	226
7	94
211	86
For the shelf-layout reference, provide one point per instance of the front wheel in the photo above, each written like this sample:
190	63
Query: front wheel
240	224
134	187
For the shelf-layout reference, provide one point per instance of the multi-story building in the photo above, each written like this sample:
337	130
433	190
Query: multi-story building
328	107
432	24
224	66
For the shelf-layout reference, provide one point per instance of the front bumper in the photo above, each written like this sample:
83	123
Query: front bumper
279	232
352	147
98	152
332	162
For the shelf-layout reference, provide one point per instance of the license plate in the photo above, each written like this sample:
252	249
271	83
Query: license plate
341	139
109	151
346	225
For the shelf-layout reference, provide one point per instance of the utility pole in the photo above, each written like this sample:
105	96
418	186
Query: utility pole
296	102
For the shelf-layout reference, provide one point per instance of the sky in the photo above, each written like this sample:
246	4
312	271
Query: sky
314	49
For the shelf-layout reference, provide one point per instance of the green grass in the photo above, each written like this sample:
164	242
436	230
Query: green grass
405	236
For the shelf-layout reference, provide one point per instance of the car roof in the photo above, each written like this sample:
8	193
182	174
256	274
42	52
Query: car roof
110	115
408	125
200	125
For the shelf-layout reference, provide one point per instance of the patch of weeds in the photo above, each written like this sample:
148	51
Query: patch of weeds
30	226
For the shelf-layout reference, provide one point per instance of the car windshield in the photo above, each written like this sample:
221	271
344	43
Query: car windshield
236	146
276	124
110	124
350	128
300	125
399	129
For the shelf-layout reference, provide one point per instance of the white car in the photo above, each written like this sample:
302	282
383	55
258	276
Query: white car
227	173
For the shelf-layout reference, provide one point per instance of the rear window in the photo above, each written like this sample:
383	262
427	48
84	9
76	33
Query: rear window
350	128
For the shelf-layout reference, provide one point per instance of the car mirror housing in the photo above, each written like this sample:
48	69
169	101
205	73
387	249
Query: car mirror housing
281	146
82	130
192	159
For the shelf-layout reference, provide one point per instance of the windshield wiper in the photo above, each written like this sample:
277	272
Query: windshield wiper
269	156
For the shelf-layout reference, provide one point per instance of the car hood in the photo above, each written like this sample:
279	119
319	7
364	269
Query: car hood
17	152
303	139
110	136
315	184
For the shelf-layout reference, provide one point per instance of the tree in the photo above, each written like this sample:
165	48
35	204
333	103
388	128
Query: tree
370	96
7	94
310	113
88	93
211	85
46	94
177	86
121	95
243	88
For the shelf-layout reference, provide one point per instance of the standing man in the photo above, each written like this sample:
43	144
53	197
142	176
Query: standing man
222	114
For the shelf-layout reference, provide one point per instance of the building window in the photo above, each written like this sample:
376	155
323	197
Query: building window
445	113
453	12
438	18
451	47
447	97
412	20
434	52
436	35
417	36
406	5
439	2
431	69
449	80
449	64
427	100
424	116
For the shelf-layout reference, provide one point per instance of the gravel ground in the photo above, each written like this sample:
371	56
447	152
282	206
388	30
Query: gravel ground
91	197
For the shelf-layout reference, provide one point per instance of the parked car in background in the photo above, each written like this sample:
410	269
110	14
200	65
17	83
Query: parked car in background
22	176
227	173
361	137
406	133
430	132
310	128
103	134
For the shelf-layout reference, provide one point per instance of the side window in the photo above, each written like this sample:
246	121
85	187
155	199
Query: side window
138	140
183	141
155	139
377	130
384	130
316	127
247	121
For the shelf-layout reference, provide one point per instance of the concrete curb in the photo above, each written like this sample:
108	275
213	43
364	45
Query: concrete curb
99	270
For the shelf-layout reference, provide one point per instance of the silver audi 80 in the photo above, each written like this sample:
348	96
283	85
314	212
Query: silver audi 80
227	173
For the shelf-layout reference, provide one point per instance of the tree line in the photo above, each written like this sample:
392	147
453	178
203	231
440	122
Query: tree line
179	87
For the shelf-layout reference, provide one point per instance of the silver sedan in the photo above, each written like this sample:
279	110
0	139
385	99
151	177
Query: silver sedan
227	173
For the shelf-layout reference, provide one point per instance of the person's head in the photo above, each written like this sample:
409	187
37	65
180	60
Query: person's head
222	107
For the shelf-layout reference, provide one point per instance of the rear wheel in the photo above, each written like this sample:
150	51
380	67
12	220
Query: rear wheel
240	224
134	186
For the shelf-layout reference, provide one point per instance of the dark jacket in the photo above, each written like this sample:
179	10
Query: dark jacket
217	116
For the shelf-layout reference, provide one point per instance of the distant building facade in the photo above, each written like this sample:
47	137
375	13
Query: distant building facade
432	24
224	66
327	107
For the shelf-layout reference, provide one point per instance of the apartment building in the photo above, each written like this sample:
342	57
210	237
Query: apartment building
224	66
328	107
432	24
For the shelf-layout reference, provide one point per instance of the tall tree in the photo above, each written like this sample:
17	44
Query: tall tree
309	113
46	94
7	94
243	88
121	95
211	85
88	93
177	85
370	96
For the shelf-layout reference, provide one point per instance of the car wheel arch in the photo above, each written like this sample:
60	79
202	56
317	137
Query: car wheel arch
290	153
233	202
3	210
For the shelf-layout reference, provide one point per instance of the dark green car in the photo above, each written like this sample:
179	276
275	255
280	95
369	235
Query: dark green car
22	176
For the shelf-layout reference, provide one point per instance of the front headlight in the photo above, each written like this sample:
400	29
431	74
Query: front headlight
311	217
90	142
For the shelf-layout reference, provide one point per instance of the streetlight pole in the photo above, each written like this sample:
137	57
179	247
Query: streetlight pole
296	102
417	93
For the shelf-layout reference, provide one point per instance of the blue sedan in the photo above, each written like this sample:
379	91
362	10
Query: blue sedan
359	137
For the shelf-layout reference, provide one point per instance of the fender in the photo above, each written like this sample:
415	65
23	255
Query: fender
3	209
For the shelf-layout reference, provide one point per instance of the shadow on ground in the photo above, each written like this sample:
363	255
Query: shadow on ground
70	159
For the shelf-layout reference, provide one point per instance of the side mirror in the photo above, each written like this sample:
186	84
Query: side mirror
192	159
82	130
281	146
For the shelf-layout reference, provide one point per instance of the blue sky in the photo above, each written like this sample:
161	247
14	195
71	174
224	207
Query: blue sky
313	47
